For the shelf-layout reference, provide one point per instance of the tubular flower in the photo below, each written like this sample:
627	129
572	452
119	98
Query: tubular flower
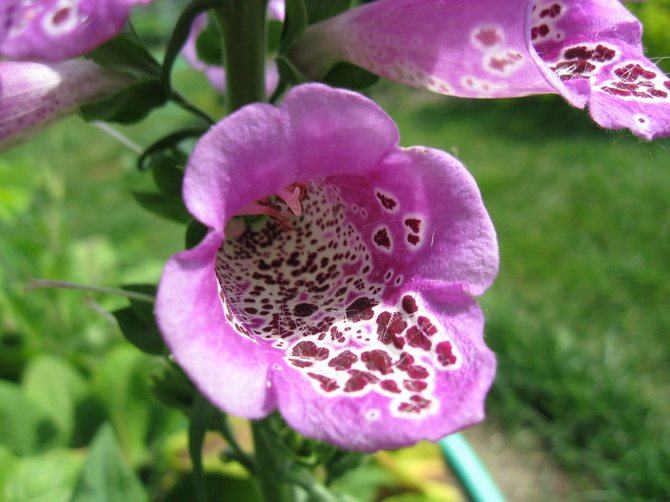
55	30
34	94
349	308
589	51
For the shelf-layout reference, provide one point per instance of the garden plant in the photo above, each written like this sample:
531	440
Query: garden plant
324	303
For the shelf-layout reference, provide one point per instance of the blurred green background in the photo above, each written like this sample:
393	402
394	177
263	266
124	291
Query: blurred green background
579	315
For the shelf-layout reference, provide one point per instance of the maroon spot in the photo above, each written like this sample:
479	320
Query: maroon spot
603	53
641	120
416	371
488	37
409	304
577	67
632	72
358	380
405	362
390	386
417	404
579	52
616	92
413	239
300	364
416	338
500	63
426	326
389	327
658	94
360	309
343	361
61	16
552	11
382	239
377	360
666	84
327	384
310	350
387	202
445	353
415	385
414	224
304	309
539	31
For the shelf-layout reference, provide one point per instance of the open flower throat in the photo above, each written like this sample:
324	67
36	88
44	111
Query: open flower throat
325	295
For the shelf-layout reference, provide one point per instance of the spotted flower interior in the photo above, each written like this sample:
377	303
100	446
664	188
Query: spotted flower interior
329	298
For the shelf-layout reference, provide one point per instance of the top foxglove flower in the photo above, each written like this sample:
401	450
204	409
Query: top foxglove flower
55	30
589	51
350	308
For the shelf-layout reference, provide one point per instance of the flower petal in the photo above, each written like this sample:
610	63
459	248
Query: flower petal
589	51
316	131
193	323
55	30
454	392
34	94
354	299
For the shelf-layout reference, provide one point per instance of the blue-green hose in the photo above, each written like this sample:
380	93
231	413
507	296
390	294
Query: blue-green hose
470	470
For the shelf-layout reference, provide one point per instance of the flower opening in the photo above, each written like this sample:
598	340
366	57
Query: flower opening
351	312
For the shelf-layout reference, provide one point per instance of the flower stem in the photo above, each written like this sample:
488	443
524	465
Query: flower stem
49	283
270	467
243	25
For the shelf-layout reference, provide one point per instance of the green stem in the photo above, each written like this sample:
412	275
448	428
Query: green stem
243	25
51	283
270	467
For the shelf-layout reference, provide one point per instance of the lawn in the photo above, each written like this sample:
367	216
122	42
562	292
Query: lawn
578	315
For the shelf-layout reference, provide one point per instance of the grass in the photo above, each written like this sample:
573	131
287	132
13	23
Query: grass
578	315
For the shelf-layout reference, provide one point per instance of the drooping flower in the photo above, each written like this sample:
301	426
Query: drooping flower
589	51
56	30
350	308
34	94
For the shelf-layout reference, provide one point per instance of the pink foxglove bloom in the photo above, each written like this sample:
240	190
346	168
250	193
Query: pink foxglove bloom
55	30
216	74
589	51
350	307
34	94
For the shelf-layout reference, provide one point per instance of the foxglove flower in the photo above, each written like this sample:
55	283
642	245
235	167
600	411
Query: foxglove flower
34	94
350	306
589	51
55	30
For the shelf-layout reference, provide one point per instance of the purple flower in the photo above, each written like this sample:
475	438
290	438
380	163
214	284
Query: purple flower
55	30
350	309
34	94
589	51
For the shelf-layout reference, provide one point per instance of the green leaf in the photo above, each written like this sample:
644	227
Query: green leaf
130	105
145	310
167	144
49	477
106	477
350	76
167	176
142	334
195	232
209	45
168	206
340	463
125	53
217	485
294	25
179	35
173	388
289	73
7	466
57	387
319	10
24	427
122	384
